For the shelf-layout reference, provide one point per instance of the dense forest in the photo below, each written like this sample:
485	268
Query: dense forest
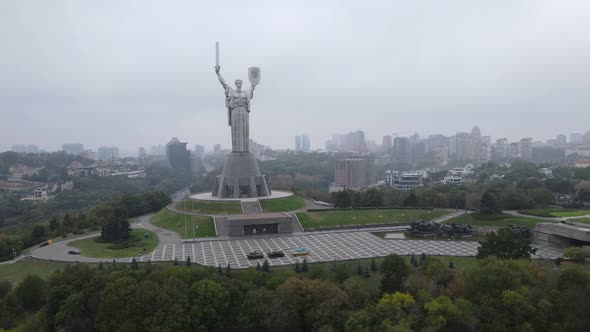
427	294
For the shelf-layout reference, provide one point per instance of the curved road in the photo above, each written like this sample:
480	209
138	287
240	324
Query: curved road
58	251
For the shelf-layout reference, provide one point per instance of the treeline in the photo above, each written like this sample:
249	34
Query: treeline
128	206
87	192
426	294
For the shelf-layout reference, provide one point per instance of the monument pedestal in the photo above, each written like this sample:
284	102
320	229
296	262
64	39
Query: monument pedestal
241	178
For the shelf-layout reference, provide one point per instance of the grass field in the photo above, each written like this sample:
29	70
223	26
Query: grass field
361	217
582	220
477	219
210	207
554	213
289	203
137	244
175	222
15	273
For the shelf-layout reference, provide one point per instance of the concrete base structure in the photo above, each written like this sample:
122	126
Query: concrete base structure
240	178
562	234
259	224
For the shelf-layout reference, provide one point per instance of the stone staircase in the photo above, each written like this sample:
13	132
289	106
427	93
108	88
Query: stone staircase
251	207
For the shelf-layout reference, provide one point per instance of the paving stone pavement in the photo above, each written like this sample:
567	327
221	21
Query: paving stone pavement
324	248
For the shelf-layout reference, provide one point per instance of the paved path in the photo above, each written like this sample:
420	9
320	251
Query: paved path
251	207
58	251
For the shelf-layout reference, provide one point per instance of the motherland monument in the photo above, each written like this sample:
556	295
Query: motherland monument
241	177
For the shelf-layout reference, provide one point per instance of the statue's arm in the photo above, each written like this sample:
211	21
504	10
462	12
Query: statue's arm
252	91
221	80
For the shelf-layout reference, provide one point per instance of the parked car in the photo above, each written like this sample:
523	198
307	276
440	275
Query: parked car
275	254
255	255
300	252
73	252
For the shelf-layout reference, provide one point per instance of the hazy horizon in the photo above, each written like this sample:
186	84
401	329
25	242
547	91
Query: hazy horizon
136	73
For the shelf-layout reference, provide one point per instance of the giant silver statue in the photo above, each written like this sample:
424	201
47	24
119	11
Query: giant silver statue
237	102
241	176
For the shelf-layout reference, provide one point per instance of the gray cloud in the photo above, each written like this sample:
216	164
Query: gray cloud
134	73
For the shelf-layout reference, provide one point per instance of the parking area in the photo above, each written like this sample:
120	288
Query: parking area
323	247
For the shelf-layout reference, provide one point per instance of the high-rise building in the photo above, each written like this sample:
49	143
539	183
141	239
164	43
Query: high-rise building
355	172
305	144
199	151
157	150
217	148
561	140
501	149
401	151
73	148
576	138
108	153
177	154
387	143
298	143
526	148
464	148
514	150
22	148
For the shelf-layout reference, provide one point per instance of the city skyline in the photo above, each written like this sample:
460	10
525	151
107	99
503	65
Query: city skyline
142	80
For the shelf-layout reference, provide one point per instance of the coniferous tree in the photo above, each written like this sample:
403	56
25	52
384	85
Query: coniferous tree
366	273
265	266
304	266
228	271
100	266
359	269
175	261
451	264
297	268
188	261
134	265
258	267
219	270
373	265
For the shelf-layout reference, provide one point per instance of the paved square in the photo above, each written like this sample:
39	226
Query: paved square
324	247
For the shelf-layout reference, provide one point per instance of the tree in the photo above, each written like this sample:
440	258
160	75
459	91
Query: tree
451	264
541	197
38	234
395	271
175	262
209	306
297	268
513	200
68	223
359	269
373	265
188	261
304	266
356	199
457	199
53	224
32	292
505	244
116	229
489	203
411	200
228	271
575	253
265	266
342	199
134	264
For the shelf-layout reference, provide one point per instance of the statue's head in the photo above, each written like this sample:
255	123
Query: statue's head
239	84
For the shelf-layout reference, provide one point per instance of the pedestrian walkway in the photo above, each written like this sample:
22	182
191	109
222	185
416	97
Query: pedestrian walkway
251	207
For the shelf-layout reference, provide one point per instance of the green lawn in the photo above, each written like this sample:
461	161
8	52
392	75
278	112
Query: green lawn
553	213
359	217
582	220
289	203
210	207
15	273
477	219
570	213
176	223
136	245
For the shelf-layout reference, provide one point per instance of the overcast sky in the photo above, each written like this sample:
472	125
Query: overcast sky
136	73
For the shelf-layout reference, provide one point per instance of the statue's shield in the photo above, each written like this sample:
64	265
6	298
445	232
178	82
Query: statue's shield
254	75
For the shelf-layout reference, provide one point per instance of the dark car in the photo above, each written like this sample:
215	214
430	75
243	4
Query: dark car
73	252
275	254
255	255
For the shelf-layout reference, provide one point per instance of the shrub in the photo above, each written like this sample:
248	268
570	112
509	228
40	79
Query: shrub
575	253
